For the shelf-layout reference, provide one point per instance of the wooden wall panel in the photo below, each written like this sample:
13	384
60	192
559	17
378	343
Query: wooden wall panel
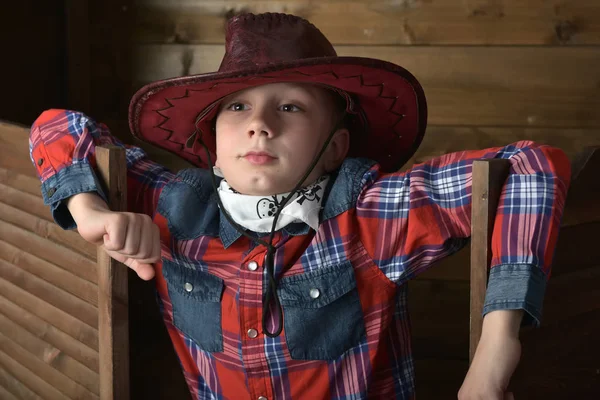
465	86
365	22
48	295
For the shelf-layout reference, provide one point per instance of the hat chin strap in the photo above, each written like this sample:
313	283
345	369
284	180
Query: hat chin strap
271	293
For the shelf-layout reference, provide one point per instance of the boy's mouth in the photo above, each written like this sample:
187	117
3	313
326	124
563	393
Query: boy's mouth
259	157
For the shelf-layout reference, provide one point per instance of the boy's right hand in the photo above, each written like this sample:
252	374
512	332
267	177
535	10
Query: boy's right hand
130	238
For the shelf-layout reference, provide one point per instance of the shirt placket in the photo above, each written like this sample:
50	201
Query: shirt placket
250	301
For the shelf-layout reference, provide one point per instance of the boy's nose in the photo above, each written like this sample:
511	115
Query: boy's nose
260	125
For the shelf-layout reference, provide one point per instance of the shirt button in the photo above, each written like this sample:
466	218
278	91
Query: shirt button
188	287
252	333
40	161
315	293
252	265
262	398
51	192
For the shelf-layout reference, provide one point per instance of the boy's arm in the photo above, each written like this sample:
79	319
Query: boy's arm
62	148
410	220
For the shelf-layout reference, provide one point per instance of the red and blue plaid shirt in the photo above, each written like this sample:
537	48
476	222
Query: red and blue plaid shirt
342	288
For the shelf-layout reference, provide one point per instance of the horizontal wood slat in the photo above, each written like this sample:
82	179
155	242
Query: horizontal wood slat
50	355
24	183
49	251
43	290
30	379
14	388
64	384
60	278
48	230
479	86
52	315
6	395
50	334
30	203
385	22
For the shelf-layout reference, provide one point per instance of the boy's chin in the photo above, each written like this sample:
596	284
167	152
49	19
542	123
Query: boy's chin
260	187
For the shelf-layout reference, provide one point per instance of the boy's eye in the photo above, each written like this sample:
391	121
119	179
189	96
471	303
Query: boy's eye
289	108
237	107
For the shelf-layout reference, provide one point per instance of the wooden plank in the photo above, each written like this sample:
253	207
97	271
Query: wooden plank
488	178
50	334
50	355
47	230
446	22
51	273
6	395
113	296
52	315
20	182
465	86
29	379
49	251
34	205
441	140
65	385
43	290
14	388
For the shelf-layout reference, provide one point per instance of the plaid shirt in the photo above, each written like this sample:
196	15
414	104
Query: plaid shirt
342	288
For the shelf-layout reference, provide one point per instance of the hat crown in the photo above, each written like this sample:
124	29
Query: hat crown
258	40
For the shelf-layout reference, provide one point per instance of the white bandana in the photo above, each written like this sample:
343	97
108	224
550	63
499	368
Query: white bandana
256	212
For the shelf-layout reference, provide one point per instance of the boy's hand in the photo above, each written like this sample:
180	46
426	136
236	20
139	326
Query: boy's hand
130	238
496	358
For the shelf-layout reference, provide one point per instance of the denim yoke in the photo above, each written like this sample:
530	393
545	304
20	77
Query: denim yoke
322	310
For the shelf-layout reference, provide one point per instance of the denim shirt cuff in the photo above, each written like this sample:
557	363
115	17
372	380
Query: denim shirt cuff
69	181
516	287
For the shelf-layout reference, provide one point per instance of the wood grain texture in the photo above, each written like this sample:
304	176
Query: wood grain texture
51	273
6	395
30	379
20	182
52	252
50	334
13	389
33	204
488	178
445	22
50	314
50	355
45	291
543	87
47	230
41	369
113	294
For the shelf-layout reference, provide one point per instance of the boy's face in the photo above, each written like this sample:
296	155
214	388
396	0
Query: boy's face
268	136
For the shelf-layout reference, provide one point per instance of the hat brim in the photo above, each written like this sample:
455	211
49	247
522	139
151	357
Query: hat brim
164	113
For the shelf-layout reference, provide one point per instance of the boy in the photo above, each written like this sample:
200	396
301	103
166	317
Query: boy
284	277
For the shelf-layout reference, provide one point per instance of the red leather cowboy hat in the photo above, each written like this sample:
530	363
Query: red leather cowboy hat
269	48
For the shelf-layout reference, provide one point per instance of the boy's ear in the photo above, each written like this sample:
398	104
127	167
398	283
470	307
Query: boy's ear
337	150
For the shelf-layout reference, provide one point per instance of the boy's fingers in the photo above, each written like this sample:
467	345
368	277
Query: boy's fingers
144	270
133	238
149	251
116	232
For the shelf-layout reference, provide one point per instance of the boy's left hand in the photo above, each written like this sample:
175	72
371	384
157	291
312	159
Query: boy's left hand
495	360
